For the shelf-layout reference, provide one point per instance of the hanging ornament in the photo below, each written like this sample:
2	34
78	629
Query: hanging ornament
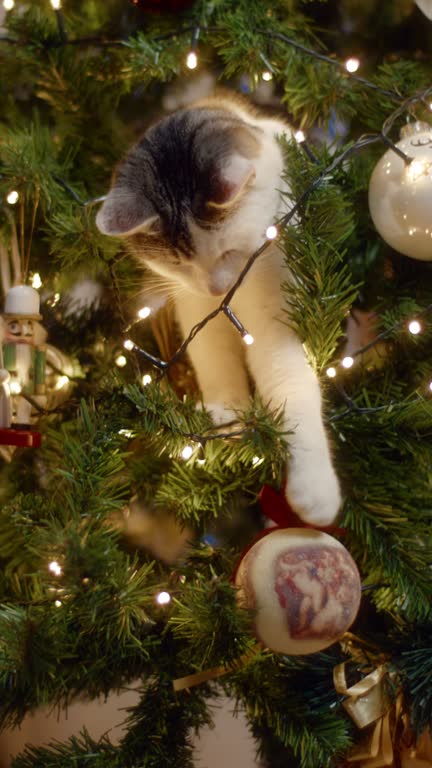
162	6
304	587
400	194
425	7
22	367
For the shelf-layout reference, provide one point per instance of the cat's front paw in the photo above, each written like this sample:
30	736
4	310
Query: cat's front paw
313	491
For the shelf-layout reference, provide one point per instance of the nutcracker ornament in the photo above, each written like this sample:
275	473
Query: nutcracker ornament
22	373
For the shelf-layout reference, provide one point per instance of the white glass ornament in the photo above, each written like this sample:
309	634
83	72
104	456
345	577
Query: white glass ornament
426	7
400	194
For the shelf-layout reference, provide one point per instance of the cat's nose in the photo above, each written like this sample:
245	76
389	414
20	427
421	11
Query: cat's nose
215	291
219	280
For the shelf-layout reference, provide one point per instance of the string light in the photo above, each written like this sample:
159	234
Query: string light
56	4
36	280
146	379
12	197
163	598
128	344
54	567
331	372
348	362
299	136
271	232
257	460
58	603
144	312
187	452
125	432
232	317
120	361
62	381
192	60
414	327
15	387
8	4
430	386
267	76
352	64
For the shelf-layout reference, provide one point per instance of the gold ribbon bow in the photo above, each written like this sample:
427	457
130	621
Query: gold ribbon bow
370	707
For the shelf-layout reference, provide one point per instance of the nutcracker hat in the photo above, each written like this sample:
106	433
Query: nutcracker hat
22	300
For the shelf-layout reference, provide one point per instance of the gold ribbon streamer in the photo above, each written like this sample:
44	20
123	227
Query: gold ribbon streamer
366	700
372	710
210	674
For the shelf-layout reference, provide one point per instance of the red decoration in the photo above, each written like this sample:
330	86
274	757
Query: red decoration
21	438
275	506
163	6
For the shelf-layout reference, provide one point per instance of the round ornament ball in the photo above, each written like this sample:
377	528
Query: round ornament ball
304	587
400	194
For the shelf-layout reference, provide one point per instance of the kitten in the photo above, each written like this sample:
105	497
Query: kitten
194	198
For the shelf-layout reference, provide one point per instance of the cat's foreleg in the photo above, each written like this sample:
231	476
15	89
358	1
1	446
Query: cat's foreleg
283	377
217	355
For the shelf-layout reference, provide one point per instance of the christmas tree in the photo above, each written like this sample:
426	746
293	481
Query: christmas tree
90	598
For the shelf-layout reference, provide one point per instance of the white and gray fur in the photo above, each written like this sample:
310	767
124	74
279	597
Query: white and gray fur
194	199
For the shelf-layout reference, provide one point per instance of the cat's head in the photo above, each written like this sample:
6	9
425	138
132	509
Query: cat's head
194	198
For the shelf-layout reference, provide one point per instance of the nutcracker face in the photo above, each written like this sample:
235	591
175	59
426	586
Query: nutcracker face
20	330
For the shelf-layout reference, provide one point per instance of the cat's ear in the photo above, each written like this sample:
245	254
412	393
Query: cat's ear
235	170
230	181
123	213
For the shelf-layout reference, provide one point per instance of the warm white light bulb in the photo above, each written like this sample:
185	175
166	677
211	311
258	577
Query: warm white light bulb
36	280
8	4
128	344
248	339
331	372
267	76
347	362
62	381
299	136
15	387
144	312
414	327
146	379
125	432
352	64
56	4
271	232
58	603
163	598
12	197
430	386
120	361
257	460
192	60
187	452
54	567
